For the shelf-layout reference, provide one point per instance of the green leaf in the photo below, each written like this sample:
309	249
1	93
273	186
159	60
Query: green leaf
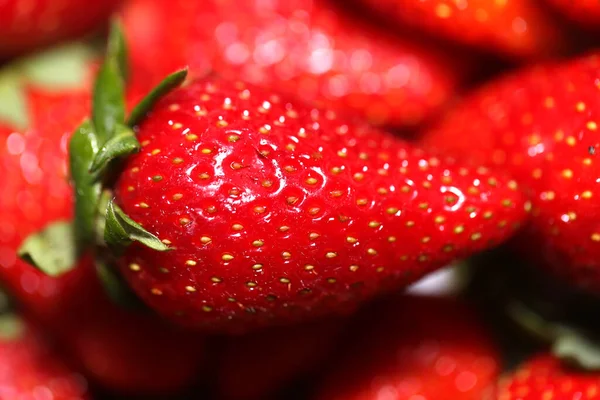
62	67
117	48
13	102
578	350
171	82
109	91
82	151
122	144
115	286
121	231
52	250
11	327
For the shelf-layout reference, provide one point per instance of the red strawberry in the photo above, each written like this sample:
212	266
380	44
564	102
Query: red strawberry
31	369
25	25
36	122
412	348
541	126
586	12
275	211
253	366
545	377
302	47
515	28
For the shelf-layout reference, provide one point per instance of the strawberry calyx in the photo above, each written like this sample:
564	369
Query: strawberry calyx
94	151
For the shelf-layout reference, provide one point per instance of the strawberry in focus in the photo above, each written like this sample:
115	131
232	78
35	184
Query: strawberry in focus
546	377
306	48
275	211
408	348
520	29
38	113
29	25
540	125
31	369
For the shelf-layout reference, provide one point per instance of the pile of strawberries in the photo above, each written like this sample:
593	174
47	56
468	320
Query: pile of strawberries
300	199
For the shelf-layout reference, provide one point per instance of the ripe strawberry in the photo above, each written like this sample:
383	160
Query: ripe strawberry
36	121
25	25
586	12
275	211
306	48
409	348
254	366
31	369
516	28
545	377
541	126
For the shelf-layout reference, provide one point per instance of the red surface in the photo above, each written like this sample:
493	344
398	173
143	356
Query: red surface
276	211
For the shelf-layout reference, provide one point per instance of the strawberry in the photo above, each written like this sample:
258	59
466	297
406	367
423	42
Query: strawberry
545	377
255	366
26	25
586	12
37	118
540	125
30	368
520	29
306	48
409	348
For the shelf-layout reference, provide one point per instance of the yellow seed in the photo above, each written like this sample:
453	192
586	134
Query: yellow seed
191	263
459	229
309	267
134	267
177	196
374	224
156	291
227	257
311	181
586	195
567	173
257	267
144	205
237	227
284	228
372	252
595	237
354	268
476	236
313	235
351	239
286	255
216	279
284	280
251	284
392	210
331	254
391	239
191	136
205	240
207	308
592	126
190	289
206	151
257	243
155	152
184	221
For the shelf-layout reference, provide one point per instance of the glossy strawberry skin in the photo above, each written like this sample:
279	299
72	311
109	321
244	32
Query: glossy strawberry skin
544	376
276	211
27	25
74	307
585	12
305	48
520	29
31	368
257	365
406	348
540	125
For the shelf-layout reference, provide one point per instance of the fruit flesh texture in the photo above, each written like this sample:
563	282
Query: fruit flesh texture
277	210
520	28
26	25
540	125
30	369
74	306
414	348
302	47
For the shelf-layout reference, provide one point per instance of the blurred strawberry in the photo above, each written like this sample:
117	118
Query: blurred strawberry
43	100
546	377
518	28
26	25
254	366
409	348
541	125
31	369
586	12
302	47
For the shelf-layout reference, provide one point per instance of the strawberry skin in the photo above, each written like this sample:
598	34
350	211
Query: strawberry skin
31	369
306	48
541	126
519	29
74	306
586	12
545	377
408	348
276	211
37	23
